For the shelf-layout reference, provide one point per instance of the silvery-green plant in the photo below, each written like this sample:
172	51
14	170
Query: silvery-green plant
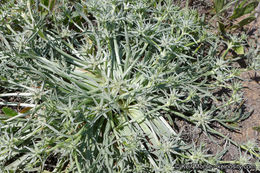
105	81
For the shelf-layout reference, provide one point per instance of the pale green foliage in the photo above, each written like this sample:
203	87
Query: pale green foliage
107	80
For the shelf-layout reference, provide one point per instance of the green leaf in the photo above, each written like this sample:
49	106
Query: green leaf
3	78
250	7
9	112
242	4
240	11
218	5
221	27
239	50
51	4
41	35
246	21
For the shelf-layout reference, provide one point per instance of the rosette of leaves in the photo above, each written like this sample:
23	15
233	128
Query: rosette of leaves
106	80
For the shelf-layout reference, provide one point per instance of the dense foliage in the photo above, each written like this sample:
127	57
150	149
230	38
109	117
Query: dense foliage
100	85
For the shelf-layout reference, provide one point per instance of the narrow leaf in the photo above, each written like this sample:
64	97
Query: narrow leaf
221	27
218	5
246	21
26	109
42	35
250	7
238	12
242	4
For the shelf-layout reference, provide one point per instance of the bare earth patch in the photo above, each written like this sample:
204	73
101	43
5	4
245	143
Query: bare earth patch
251	90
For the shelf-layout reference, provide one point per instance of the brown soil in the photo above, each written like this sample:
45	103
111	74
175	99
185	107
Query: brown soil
247	133
251	90
251	93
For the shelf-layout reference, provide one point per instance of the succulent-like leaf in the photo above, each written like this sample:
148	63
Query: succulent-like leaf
9	112
239	50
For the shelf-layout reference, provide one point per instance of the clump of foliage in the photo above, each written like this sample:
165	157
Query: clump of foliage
231	15
243	8
101	83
